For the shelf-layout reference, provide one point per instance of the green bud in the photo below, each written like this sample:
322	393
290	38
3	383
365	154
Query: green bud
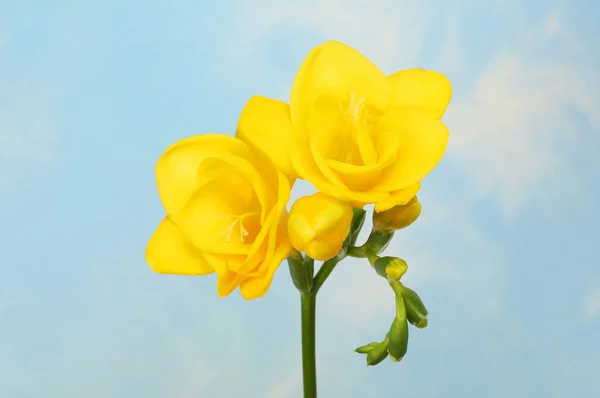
365	349
391	268
398	217
377	353
398	336
301	271
415	309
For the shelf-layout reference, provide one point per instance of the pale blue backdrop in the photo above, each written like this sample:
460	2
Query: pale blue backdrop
505	254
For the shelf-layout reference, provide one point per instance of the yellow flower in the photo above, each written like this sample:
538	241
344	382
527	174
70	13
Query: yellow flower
353	132
226	213
319	224
398	217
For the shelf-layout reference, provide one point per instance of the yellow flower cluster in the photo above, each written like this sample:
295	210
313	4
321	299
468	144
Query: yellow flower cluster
358	135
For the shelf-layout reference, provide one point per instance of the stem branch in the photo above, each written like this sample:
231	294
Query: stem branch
324	272
309	365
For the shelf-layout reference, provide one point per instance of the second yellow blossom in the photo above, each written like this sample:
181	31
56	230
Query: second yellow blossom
226	213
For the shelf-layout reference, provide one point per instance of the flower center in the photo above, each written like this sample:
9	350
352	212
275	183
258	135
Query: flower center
355	109
238	220
357	127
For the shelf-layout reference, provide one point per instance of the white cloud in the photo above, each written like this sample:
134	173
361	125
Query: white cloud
592	305
513	135
27	135
518	135
390	32
287	386
553	25
449	59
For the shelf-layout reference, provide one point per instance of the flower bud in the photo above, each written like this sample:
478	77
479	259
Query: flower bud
398	344
377	353
365	349
318	225
397	217
415	309
301	271
398	336
391	268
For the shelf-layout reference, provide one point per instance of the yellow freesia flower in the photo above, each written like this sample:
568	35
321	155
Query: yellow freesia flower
226	213
353	132
319	224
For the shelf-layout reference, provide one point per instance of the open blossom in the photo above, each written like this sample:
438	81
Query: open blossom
226	213
353	132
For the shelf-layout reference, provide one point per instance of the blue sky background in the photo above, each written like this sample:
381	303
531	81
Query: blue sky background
505	254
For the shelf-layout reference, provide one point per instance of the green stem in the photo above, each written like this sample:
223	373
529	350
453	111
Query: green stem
357	251
309	305
376	243
324	272
397	287
309	365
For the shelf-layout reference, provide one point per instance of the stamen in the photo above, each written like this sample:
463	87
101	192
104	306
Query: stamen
236	219
356	107
355	112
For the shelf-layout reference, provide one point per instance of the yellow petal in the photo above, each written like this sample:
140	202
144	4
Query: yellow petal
169	252
423	141
359	178
226	283
396	198
265	125
336	69
264	175
213	215
177	168
258	285
343	149
260	246
424	89
227	280
278	232
324	247
329	140
262	189
308	170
